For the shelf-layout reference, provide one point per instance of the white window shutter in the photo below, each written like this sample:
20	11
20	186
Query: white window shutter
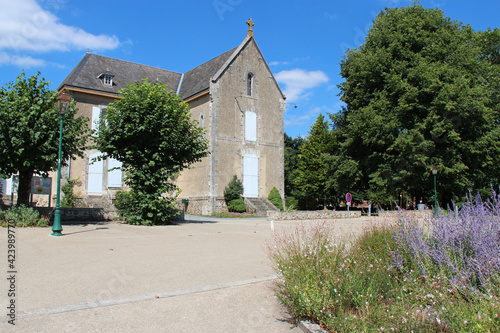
95	174
250	176
114	176
96	117
250	126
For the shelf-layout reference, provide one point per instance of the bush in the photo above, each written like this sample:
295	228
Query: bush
234	190
23	217
237	205
275	198
145	209
123	200
69	198
291	203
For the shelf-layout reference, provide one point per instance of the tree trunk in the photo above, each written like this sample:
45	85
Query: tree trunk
24	189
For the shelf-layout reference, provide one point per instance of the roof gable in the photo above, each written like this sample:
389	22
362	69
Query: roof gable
235	54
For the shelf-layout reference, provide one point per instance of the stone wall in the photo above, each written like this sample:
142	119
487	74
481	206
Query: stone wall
76	214
417	213
203	205
310	215
88	214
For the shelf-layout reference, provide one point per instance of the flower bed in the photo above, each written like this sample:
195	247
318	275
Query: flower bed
436	275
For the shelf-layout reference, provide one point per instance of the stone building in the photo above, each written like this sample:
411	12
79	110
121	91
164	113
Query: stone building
234	96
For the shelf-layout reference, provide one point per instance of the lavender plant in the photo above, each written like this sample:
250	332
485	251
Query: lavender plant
463	245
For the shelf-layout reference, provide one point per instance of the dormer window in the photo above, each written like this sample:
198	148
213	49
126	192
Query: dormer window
107	78
249	84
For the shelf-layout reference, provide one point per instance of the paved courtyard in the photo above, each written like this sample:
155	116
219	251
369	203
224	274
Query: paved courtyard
204	275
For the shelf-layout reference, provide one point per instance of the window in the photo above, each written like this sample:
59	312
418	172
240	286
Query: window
108	80
249	84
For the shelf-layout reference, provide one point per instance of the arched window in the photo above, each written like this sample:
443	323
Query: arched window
249	84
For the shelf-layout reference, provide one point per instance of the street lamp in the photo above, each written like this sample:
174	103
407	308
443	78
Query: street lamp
434	172
62	107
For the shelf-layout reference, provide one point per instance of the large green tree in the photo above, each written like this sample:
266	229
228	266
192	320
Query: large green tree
421	91
150	130
29	131
313	171
292	150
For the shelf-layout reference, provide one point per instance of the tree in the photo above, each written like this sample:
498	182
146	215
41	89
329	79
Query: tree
292	149
312	173
233	190
150	131
29	132
421	91
233	196
275	198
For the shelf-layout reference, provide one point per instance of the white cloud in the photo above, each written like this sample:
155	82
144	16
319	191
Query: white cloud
278	63
25	26
298	81
21	61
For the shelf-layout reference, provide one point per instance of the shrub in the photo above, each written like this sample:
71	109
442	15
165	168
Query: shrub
465	247
123	200
23	217
144	209
237	205
234	190
69	198
275	198
291	203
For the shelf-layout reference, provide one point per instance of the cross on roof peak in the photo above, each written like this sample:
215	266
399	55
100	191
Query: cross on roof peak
250	25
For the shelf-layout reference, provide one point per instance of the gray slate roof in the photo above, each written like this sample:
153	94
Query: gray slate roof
198	79
86	75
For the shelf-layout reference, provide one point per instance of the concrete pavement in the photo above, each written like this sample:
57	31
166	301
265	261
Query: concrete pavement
205	275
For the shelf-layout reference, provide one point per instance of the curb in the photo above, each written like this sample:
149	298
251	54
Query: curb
308	327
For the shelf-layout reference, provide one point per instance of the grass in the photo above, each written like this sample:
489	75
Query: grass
375	282
231	215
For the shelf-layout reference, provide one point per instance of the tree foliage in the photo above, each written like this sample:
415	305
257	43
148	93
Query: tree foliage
29	131
233	196
292	150
275	198
233	190
421	91
312	173
150	131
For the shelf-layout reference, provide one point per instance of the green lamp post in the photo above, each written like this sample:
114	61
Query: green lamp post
62	107
434	172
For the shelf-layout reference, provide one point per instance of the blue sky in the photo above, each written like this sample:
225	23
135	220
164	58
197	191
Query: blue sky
303	41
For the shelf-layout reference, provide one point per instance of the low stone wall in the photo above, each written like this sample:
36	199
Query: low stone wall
76	214
88	214
311	215
394	213
202	205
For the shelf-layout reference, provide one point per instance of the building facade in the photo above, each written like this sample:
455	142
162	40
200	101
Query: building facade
234	96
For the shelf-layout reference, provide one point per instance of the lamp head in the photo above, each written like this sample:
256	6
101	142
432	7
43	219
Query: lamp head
434	170
63	103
